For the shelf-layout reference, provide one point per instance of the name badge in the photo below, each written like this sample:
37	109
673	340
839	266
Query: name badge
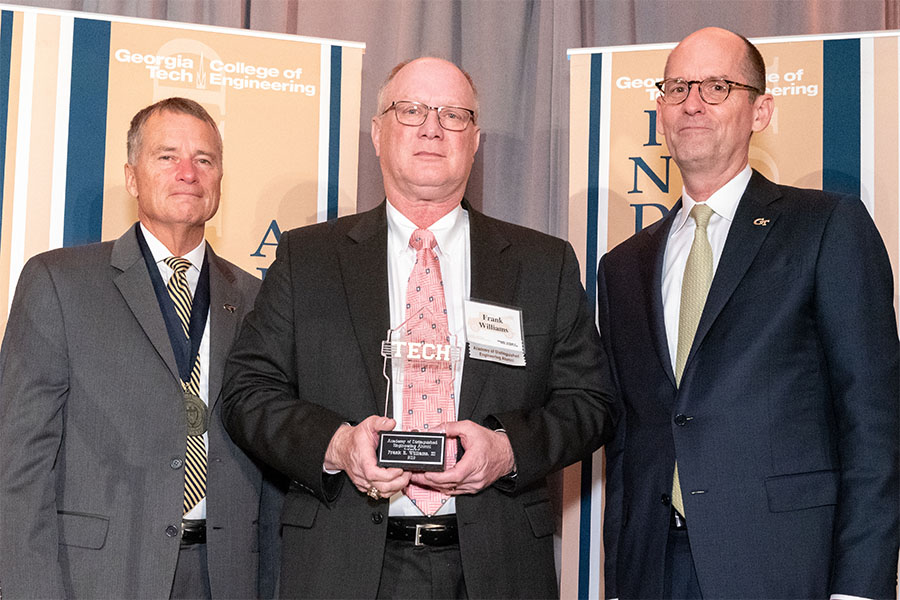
494	333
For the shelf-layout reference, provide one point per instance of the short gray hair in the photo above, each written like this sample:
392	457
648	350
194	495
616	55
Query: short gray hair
175	105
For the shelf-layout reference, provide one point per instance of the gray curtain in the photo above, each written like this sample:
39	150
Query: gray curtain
516	52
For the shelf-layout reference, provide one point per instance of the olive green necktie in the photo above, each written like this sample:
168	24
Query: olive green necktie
195	455
698	274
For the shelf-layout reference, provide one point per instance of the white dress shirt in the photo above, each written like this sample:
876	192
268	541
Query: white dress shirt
724	203
195	256
452	235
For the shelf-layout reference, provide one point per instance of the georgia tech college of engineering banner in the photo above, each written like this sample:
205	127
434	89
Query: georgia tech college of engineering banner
287	106
835	127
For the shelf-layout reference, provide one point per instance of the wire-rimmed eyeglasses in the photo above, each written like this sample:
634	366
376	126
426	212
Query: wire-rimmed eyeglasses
713	90
451	118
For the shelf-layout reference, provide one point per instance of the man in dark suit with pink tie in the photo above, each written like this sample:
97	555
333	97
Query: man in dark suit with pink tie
305	389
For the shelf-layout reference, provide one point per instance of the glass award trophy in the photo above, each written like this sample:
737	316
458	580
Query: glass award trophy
424	356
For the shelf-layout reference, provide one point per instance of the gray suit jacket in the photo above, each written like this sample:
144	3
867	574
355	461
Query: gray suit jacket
92	433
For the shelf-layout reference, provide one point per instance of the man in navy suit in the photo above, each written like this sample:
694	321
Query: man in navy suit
754	343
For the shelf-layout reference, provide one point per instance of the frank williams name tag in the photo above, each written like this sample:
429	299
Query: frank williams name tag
411	450
495	332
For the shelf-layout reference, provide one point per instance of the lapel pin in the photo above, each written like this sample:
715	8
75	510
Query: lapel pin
229	307
761	222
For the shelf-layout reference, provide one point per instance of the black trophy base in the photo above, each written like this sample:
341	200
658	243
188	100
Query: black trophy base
411	450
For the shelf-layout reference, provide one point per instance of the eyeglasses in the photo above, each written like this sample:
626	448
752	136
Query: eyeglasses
451	118
712	90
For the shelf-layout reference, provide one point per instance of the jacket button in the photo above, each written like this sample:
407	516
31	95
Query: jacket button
171	531
377	518
681	420
665	499
176	463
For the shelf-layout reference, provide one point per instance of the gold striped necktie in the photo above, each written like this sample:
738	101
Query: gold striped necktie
698	274
195	456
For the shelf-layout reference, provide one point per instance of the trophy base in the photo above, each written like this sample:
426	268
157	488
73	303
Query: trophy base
411	450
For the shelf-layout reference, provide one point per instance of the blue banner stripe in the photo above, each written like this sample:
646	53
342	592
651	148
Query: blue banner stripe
840	116
6	31
590	278
334	134
87	132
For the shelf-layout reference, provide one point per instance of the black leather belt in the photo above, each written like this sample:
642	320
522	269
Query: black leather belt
436	531
193	531
677	522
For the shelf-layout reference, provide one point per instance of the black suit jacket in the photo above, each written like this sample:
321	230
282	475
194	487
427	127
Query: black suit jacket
308	359
786	421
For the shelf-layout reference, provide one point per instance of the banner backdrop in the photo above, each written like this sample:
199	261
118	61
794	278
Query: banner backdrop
835	127
288	108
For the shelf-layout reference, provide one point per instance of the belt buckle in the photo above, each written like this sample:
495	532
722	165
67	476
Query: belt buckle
423	526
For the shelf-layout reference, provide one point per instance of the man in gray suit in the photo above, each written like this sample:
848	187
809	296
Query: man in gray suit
117	478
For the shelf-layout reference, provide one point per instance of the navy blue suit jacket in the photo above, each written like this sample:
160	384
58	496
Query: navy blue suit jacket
786	421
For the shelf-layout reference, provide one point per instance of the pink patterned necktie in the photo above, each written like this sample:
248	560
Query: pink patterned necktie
428	394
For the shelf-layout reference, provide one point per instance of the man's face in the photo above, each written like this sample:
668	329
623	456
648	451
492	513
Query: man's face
426	162
177	173
707	139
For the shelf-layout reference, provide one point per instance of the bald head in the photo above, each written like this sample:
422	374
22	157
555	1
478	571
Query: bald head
710	142
715	41
426	62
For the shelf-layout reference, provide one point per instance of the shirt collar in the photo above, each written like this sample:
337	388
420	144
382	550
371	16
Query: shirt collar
724	200
447	230
160	252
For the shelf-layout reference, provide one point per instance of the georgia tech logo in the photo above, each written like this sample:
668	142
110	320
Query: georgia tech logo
761	222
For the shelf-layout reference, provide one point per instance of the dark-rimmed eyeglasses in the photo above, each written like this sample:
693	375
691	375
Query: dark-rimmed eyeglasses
712	91
451	118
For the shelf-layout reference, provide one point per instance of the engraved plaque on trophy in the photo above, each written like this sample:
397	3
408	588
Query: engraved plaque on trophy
417	345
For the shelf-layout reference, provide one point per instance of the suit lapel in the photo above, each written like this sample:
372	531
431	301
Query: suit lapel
133	282
223	321
653	254
745	237
493	277
363	260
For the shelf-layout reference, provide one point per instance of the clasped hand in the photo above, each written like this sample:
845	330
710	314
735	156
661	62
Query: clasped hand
488	456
